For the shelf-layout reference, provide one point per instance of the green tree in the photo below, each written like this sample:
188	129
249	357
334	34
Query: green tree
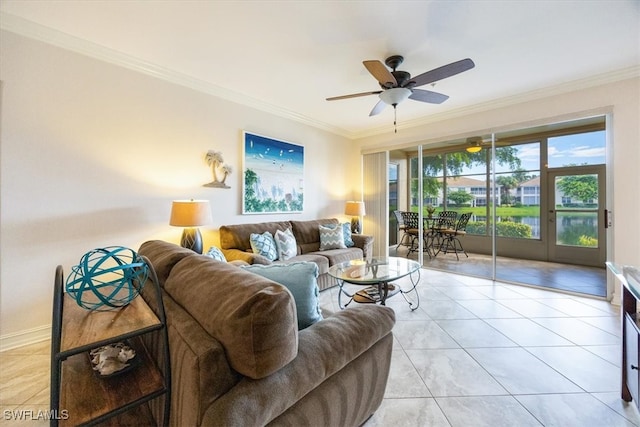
506	183
460	197
580	187
521	175
434	167
251	203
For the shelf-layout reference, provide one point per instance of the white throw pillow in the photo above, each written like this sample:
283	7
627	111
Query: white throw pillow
286	244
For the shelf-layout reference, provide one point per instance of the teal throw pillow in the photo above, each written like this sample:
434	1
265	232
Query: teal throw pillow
286	244
264	244
331	237
216	253
301	278
346	230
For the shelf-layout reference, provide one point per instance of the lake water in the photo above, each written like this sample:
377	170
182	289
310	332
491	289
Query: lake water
569	225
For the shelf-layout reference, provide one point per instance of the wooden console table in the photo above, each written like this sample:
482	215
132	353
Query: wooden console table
78	395
630	279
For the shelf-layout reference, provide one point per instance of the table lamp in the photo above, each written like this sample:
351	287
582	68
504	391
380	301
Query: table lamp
355	210
190	214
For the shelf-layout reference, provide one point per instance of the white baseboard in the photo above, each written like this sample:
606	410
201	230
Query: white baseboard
22	338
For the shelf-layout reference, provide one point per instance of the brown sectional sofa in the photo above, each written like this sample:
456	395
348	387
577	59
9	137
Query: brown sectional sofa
237	358
234	242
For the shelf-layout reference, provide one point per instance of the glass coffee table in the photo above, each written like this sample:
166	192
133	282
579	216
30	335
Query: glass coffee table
376	275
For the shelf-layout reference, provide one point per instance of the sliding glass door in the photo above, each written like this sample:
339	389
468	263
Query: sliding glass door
576	215
536	197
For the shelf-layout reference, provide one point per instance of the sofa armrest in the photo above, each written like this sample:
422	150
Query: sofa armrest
201	370
248	257
364	242
257	402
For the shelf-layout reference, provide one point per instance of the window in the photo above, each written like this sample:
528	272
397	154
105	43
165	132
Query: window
458	181
587	148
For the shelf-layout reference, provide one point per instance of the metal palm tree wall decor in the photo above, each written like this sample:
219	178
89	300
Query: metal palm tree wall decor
216	162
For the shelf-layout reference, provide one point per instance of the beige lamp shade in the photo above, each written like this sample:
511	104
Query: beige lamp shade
190	213
354	209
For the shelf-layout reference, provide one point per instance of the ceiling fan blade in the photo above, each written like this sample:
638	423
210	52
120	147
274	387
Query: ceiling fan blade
354	95
378	108
381	73
442	72
428	96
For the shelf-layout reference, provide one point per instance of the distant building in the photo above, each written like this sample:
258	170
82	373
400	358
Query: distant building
475	187
528	192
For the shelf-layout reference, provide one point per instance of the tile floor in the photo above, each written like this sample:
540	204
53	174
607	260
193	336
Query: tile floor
479	353
24	384
475	353
572	278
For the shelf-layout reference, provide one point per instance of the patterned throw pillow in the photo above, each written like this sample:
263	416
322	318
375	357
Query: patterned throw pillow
331	237
264	244
346	230
286	244
216	254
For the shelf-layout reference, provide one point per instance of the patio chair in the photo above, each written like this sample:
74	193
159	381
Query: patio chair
434	238
399	227
451	237
411	231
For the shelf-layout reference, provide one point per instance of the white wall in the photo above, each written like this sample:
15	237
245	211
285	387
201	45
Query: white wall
621	98
92	155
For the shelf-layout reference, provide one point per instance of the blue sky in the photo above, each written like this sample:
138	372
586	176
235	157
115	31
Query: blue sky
577	149
574	149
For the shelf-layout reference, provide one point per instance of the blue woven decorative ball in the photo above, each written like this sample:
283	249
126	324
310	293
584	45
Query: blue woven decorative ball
107	278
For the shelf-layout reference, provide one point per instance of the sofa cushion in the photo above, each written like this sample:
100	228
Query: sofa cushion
264	244
163	256
321	261
253	318
331	237
286	244
301	278
336	256
307	232
340	360
237	236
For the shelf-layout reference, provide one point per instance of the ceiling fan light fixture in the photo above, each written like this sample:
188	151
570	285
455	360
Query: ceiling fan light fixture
395	96
473	148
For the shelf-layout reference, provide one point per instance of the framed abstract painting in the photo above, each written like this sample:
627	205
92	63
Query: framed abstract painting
273	175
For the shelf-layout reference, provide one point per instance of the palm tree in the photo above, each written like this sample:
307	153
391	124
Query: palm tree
506	183
226	170
214	159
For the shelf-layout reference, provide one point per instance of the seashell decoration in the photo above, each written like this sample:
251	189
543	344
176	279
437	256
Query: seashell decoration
112	358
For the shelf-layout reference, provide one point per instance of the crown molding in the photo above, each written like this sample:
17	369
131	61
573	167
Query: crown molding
572	86
57	38
75	44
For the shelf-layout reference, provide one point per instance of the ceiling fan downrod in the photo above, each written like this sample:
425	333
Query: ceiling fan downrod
395	116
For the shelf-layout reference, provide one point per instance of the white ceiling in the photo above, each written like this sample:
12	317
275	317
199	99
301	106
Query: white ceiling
288	56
